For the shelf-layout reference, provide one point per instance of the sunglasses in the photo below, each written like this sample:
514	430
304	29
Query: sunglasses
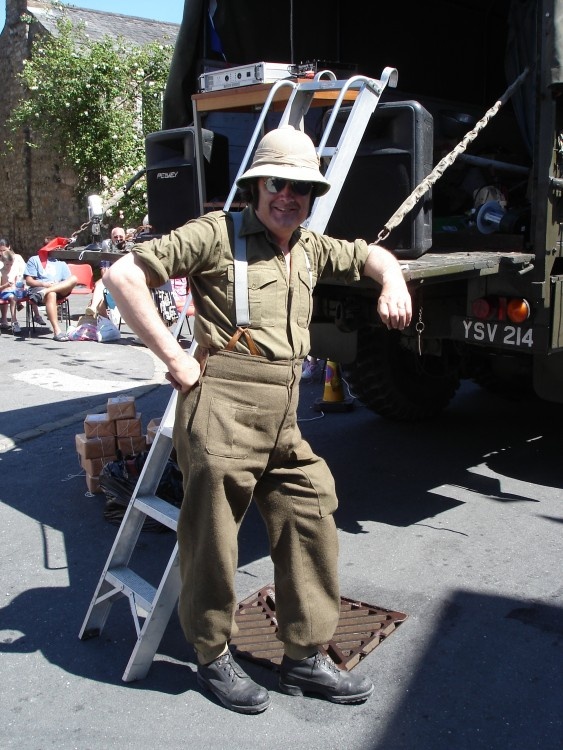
277	184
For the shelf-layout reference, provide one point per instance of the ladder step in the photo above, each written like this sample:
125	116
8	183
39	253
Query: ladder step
159	509
131	584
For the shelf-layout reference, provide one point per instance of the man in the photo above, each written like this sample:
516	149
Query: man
116	243
235	431
49	280
12	273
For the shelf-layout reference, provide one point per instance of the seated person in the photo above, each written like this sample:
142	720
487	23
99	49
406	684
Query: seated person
17	273
97	304
117	242
12	271
49	280
18	269
163	298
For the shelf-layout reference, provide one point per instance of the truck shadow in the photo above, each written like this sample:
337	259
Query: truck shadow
399	474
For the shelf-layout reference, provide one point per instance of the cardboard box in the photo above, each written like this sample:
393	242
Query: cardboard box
94	466
129	427
121	407
152	429
99	425
130	446
93	484
95	447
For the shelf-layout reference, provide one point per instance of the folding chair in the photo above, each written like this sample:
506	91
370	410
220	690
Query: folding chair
63	309
85	275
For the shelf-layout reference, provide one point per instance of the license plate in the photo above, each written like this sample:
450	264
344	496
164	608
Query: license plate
494	333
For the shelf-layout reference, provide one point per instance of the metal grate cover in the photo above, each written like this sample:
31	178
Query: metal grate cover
361	628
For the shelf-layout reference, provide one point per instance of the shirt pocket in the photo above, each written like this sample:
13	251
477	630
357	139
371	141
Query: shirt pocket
304	299
230	429
262	296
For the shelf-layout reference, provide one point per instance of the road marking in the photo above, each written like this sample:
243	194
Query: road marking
57	380
53	379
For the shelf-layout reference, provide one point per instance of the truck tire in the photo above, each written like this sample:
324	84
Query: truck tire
511	378
397	383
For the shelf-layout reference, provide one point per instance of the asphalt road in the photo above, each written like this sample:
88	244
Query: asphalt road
456	523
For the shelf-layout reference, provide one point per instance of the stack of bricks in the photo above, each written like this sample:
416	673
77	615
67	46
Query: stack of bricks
119	429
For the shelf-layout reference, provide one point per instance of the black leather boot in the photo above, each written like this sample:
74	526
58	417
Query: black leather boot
232	686
319	674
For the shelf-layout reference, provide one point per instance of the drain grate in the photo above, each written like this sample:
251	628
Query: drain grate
361	628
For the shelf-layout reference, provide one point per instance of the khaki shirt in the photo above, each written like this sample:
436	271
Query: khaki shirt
280	306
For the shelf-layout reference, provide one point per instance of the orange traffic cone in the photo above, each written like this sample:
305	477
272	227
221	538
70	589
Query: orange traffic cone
333	396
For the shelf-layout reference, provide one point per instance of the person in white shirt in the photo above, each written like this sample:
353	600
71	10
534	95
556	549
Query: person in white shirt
12	272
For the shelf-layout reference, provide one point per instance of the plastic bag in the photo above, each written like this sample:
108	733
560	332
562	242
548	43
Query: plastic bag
83	332
107	330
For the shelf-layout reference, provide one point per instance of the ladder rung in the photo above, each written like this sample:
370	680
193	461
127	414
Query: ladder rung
322	85
130	583
159	509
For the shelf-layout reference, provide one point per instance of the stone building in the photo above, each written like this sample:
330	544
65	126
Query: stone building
36	191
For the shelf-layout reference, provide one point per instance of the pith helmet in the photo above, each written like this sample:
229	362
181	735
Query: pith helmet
287	153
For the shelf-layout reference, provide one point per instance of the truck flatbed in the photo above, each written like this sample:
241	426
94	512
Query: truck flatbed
445	263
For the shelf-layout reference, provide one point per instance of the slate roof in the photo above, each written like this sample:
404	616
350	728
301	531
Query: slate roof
99	24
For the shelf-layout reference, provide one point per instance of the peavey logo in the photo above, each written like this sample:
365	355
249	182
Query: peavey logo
166	175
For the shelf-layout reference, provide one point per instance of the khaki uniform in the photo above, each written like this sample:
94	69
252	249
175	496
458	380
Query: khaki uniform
236	435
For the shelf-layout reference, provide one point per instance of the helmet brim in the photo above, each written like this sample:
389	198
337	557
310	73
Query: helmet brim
286	172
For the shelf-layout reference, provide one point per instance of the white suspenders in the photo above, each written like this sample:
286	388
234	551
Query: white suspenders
241	273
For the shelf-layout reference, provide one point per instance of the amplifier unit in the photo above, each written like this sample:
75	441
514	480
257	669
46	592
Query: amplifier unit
244	75
172	184
394	156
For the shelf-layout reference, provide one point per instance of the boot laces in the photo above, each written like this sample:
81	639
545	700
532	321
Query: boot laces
231	668
325	660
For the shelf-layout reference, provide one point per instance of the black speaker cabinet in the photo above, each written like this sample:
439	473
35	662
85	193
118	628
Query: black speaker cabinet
172	185
395	154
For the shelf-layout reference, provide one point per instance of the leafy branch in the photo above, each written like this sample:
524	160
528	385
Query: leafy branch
93	103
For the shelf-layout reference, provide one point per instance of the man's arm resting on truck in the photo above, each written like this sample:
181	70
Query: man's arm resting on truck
394	304
127	281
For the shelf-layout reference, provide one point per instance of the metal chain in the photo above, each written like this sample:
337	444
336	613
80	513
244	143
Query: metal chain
420	330
423	187
77	232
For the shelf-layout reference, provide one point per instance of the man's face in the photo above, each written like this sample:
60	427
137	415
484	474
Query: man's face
281	212
117	235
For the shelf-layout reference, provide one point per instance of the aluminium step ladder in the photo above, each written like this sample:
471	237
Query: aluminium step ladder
151	607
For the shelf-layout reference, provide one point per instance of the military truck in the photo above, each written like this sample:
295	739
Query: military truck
481	248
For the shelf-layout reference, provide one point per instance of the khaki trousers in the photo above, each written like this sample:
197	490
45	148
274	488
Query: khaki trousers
237	440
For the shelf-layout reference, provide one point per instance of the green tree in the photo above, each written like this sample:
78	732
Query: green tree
94	102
